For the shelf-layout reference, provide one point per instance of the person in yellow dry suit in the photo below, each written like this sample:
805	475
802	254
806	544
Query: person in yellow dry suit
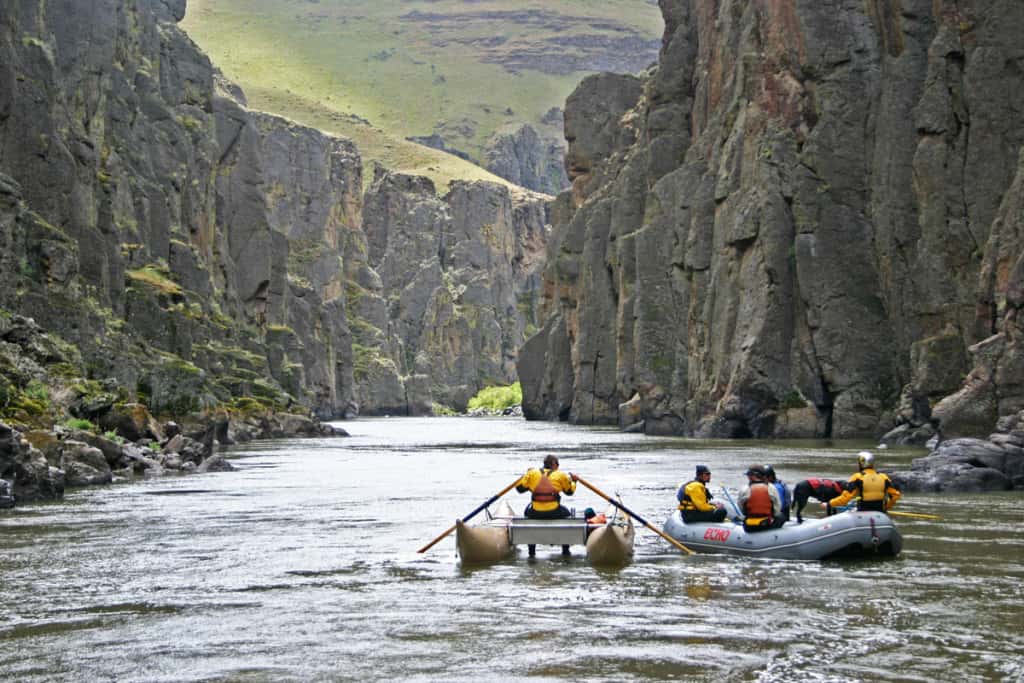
874	490
546	486
695	501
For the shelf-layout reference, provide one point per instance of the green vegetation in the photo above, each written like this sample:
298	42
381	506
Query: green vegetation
113	436
497	398
157	277
793	400
377	71
441	410
79	423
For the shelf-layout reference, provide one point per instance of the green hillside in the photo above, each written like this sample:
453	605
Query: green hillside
379	71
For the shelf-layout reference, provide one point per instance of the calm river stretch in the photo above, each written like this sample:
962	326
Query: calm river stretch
302	565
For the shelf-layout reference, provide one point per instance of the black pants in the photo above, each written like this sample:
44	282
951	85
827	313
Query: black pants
558	513
871	505
718	515
561	512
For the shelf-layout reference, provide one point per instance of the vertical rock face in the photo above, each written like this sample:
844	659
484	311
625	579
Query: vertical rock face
313	184
198	252
153	217
525	158
799	224
458	278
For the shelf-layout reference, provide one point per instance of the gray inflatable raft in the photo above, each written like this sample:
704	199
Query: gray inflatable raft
848	534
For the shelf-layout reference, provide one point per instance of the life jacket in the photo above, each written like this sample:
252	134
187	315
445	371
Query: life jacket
686	503
826	483
783	494
873	486
598	519
759	504
545	491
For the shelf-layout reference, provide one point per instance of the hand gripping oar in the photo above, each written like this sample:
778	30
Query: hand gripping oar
918	515
472	514
633	514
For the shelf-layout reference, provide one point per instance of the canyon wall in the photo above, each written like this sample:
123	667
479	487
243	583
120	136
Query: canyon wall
804	222
191	252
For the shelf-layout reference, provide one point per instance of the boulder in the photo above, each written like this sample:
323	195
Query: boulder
132	422
84	465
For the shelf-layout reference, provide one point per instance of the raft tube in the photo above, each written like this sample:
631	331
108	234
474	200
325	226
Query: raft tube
847	534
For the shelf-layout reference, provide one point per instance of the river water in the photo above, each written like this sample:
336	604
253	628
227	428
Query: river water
302	565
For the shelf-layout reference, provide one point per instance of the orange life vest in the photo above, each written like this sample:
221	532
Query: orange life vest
598	519
545	491
759	504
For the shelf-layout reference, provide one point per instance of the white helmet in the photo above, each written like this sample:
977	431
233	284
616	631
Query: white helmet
865	459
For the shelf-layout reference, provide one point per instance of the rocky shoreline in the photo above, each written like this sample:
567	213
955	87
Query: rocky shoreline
38	464
971	464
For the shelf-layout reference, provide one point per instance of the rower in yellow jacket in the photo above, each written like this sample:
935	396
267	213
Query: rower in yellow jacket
547	486
874	490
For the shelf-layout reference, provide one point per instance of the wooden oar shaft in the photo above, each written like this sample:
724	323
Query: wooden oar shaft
912	514
633	514
472	514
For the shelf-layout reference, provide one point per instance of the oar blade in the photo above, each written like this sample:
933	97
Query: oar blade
472	514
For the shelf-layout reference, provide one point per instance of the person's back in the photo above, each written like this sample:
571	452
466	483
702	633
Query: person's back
546	486
759	502
874	490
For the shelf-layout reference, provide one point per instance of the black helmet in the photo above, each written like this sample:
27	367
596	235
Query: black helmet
702	469
769	471
756	471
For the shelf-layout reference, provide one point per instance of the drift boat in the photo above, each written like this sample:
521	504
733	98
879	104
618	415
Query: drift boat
610	543
847	534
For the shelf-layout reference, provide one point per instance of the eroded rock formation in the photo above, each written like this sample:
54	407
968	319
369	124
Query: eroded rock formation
192	253
804	222
456	293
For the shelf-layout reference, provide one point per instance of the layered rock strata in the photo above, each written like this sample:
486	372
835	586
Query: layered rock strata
192	255
803	223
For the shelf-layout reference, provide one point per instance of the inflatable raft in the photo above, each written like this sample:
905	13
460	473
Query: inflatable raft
847	534
610	543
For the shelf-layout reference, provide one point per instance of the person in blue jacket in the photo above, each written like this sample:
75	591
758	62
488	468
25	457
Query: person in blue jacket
785	494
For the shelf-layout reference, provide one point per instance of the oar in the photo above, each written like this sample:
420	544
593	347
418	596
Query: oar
472	514
633	514
732	502
917	515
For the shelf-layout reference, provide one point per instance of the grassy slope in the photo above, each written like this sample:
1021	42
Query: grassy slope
357	68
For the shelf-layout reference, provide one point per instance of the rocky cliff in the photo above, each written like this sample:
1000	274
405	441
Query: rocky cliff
525	157
456	293
187	253
805	221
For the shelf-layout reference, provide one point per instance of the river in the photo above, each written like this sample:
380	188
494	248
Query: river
302	565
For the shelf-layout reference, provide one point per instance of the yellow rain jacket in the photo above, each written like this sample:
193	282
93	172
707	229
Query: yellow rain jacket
560	481
694	496
870	486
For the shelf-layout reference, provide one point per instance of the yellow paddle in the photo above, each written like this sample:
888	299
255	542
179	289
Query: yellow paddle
634	515
487	502
918	515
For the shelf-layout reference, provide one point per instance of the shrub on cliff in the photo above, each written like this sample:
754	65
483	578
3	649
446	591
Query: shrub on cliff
497	398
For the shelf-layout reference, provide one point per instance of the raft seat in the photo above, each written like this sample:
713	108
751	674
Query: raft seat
525	531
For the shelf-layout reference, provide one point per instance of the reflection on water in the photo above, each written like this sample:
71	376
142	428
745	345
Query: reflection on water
301	565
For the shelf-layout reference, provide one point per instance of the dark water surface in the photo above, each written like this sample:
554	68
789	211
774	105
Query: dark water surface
302	565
